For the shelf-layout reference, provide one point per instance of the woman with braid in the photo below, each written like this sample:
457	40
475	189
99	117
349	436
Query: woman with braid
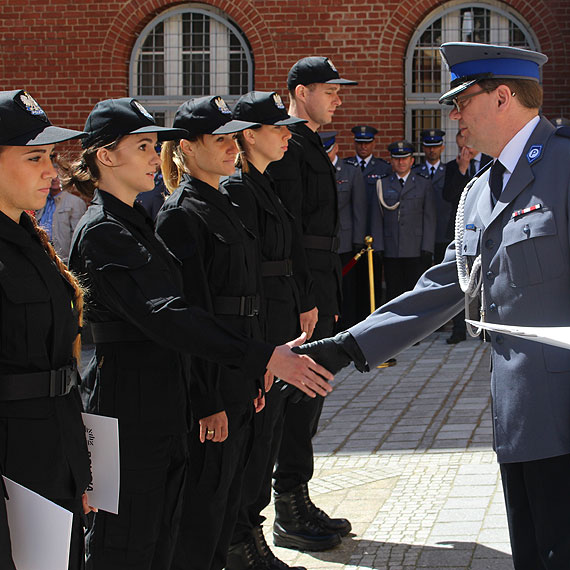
42	438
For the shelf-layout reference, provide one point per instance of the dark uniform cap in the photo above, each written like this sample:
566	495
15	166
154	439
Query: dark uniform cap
315	69
114	118
560	122
401	149
328	138
363	133
208	116
263	107
432	137
24	123
470	62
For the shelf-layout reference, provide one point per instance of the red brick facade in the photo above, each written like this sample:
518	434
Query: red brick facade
69	54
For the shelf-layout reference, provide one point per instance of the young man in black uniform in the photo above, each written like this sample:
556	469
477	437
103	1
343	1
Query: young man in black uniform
306	183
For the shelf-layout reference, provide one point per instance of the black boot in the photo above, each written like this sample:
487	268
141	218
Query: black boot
296	528
263	549
245	556
342	526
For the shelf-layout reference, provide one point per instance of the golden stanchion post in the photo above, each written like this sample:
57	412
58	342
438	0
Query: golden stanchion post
368	240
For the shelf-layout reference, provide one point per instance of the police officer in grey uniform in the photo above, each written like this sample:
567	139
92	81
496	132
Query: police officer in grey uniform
373	168
403	221
352	210
513	239
432	145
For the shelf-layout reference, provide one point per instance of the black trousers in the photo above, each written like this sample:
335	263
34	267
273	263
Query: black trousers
142	536
401	275
349	315
537	497
212	495
295	463
256	492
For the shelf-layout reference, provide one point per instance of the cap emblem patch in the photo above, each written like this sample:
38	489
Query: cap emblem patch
278	101
222	106
142	110
332	65
31	105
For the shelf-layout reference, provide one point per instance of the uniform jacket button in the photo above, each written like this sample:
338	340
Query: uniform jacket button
489	243
492	307
490	275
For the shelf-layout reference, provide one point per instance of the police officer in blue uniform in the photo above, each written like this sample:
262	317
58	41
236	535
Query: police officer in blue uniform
514	251
403	221
352	210
433	147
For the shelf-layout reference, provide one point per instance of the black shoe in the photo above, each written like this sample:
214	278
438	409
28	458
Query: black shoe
342	526
244	556
455	338
298	529
273	563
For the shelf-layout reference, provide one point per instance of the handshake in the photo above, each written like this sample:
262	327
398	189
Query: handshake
334	354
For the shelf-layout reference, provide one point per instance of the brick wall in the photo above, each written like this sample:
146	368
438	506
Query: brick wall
70	54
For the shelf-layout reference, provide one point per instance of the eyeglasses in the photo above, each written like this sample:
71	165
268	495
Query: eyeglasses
459	102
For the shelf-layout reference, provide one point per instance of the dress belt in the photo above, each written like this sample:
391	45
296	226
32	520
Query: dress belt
241	306
281	268
49	383
325	243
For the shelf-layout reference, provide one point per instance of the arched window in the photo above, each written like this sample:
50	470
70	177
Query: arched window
427	76
187	52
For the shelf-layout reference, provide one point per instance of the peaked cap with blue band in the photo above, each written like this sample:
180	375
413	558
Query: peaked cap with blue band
328	138
471	62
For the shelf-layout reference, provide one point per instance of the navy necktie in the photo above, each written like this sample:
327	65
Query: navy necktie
432	171
472	168
362	164
402	182
496	180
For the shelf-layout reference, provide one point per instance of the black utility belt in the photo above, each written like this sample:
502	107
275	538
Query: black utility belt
46	384
116	331
281	268
240	306
321	242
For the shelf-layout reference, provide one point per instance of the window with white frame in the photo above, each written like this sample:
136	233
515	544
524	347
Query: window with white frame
427	76
189	51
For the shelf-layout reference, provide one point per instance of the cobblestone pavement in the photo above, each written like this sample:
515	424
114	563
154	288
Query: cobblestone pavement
405	454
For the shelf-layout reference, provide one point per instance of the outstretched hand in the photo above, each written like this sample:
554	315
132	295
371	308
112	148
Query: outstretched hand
300	370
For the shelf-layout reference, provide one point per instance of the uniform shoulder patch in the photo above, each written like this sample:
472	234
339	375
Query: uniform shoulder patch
563	132
422	174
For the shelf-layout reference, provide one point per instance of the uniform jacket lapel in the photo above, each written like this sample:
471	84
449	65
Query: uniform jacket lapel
523	176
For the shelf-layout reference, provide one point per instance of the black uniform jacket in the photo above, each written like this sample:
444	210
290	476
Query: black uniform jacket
279	240
220	260
132	278
306	183
42	440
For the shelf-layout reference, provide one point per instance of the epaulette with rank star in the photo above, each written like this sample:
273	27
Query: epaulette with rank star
422	174
352	161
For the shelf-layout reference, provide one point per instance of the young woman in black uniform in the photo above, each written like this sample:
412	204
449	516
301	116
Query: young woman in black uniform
284	272
142	328
42	438
221	269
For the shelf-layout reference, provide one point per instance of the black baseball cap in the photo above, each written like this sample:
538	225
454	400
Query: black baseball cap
114	118
315	69
263	107
24	123
209	116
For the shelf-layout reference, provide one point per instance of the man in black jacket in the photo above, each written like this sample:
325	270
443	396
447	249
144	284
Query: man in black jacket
306	183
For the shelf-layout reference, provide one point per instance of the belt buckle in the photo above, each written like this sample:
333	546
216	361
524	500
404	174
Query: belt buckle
247	306
289	268
55	383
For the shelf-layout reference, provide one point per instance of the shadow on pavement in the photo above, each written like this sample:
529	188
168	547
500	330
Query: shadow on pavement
452	555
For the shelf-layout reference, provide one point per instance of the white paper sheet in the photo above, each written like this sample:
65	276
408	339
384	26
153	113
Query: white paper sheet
40	531
556	336
102	434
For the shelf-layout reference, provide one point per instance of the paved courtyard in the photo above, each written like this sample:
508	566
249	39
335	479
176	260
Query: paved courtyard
405	454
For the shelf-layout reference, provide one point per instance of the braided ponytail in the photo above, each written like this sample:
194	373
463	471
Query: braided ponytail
70	278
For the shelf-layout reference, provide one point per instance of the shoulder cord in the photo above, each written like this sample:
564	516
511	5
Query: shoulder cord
380	194
469	281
